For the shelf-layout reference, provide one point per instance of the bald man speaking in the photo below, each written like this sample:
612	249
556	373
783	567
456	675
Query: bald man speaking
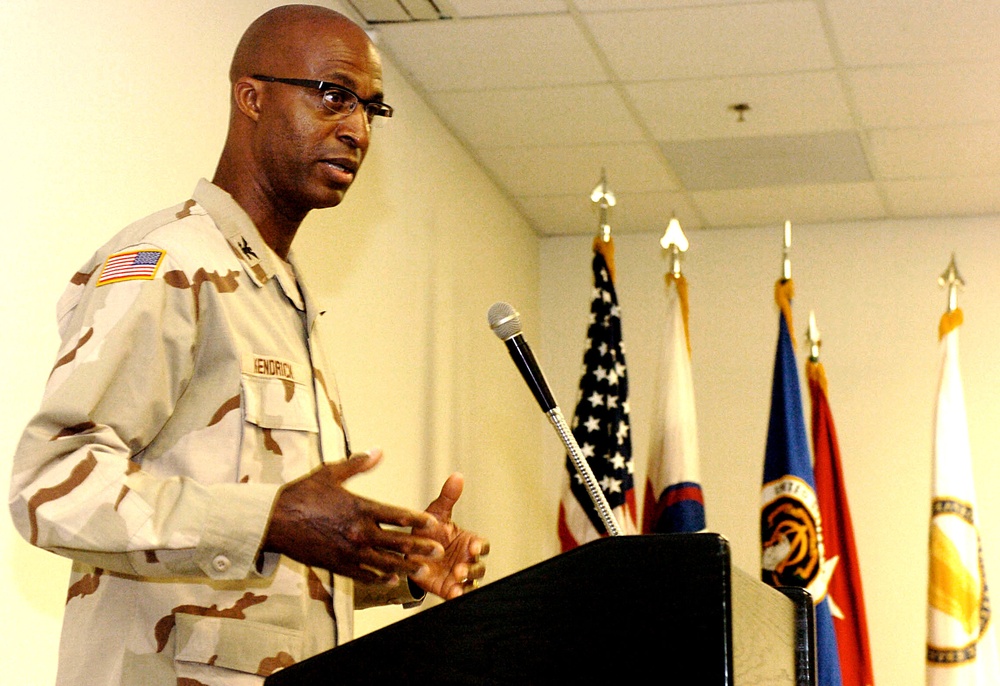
190	454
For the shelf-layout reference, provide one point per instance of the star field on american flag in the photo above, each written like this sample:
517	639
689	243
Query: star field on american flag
601	421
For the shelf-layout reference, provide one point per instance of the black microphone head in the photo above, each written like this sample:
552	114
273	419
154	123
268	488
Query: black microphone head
504	320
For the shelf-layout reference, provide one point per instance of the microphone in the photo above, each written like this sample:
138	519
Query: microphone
506	324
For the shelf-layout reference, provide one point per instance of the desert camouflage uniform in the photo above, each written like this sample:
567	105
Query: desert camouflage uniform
185	393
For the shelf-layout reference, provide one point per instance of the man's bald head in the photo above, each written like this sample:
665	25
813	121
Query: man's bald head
280	40
286	153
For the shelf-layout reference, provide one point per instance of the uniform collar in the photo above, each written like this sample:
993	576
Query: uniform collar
259	261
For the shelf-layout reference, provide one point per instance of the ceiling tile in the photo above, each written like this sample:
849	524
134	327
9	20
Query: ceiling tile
927	95
807	102
892	89
889	32
568	115
800	204
944	197
723	163
380	10
963	151
498	8
504	52
724	40
426	9
554	170
618	5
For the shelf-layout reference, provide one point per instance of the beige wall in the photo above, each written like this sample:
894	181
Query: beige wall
873	286
114	110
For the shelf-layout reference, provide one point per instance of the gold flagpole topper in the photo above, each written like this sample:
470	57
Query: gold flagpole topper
953	281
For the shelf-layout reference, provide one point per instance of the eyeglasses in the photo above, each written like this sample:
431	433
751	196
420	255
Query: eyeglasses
337	99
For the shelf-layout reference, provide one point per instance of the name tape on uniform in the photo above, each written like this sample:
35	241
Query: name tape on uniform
260	365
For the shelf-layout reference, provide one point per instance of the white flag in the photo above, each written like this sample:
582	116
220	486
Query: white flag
961	643
673	500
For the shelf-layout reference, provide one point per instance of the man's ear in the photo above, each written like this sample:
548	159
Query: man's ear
247	96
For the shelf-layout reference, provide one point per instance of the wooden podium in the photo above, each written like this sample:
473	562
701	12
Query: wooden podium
668	605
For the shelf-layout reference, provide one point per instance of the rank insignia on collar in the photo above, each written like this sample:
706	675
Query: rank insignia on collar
247	250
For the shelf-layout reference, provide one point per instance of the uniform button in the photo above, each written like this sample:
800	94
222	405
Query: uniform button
221	563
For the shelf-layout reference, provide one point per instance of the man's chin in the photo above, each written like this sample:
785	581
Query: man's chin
330	197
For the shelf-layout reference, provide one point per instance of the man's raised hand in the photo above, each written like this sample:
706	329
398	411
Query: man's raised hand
320	523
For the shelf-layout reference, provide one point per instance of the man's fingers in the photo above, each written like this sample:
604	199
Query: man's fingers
475	571
363	574
479	547
404	543
451	491
356	463
399	516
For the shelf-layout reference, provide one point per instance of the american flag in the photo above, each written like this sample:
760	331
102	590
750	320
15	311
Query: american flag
134	264
601	421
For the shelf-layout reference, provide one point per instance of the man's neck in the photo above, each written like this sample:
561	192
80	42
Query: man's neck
277	229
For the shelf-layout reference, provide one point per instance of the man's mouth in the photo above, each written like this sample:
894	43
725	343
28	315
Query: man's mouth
342	170
344	164
340	166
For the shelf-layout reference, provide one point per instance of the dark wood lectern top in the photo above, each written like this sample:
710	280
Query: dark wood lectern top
621	607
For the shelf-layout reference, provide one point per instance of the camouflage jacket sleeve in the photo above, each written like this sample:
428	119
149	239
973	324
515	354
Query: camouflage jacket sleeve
79	488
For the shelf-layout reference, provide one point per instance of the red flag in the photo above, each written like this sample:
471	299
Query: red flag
847	603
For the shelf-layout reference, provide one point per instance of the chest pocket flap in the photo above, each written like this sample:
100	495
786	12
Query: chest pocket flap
278	394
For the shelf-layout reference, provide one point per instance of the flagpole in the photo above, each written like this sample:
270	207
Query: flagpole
674	242
784	288
952	280
786	259
605	199
813	338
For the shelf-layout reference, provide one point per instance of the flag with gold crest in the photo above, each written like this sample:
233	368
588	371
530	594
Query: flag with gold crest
791	530
961	642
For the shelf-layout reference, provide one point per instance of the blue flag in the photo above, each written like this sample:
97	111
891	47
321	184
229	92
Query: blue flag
790	528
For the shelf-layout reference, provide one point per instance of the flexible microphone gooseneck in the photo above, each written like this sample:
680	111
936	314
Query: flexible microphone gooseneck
506	324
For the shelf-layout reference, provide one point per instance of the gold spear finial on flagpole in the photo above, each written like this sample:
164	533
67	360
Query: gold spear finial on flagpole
813	338
951	280
605	200
786	260
784	289
814	368
676	243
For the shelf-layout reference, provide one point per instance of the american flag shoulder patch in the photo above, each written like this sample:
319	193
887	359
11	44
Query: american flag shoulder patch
130	265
